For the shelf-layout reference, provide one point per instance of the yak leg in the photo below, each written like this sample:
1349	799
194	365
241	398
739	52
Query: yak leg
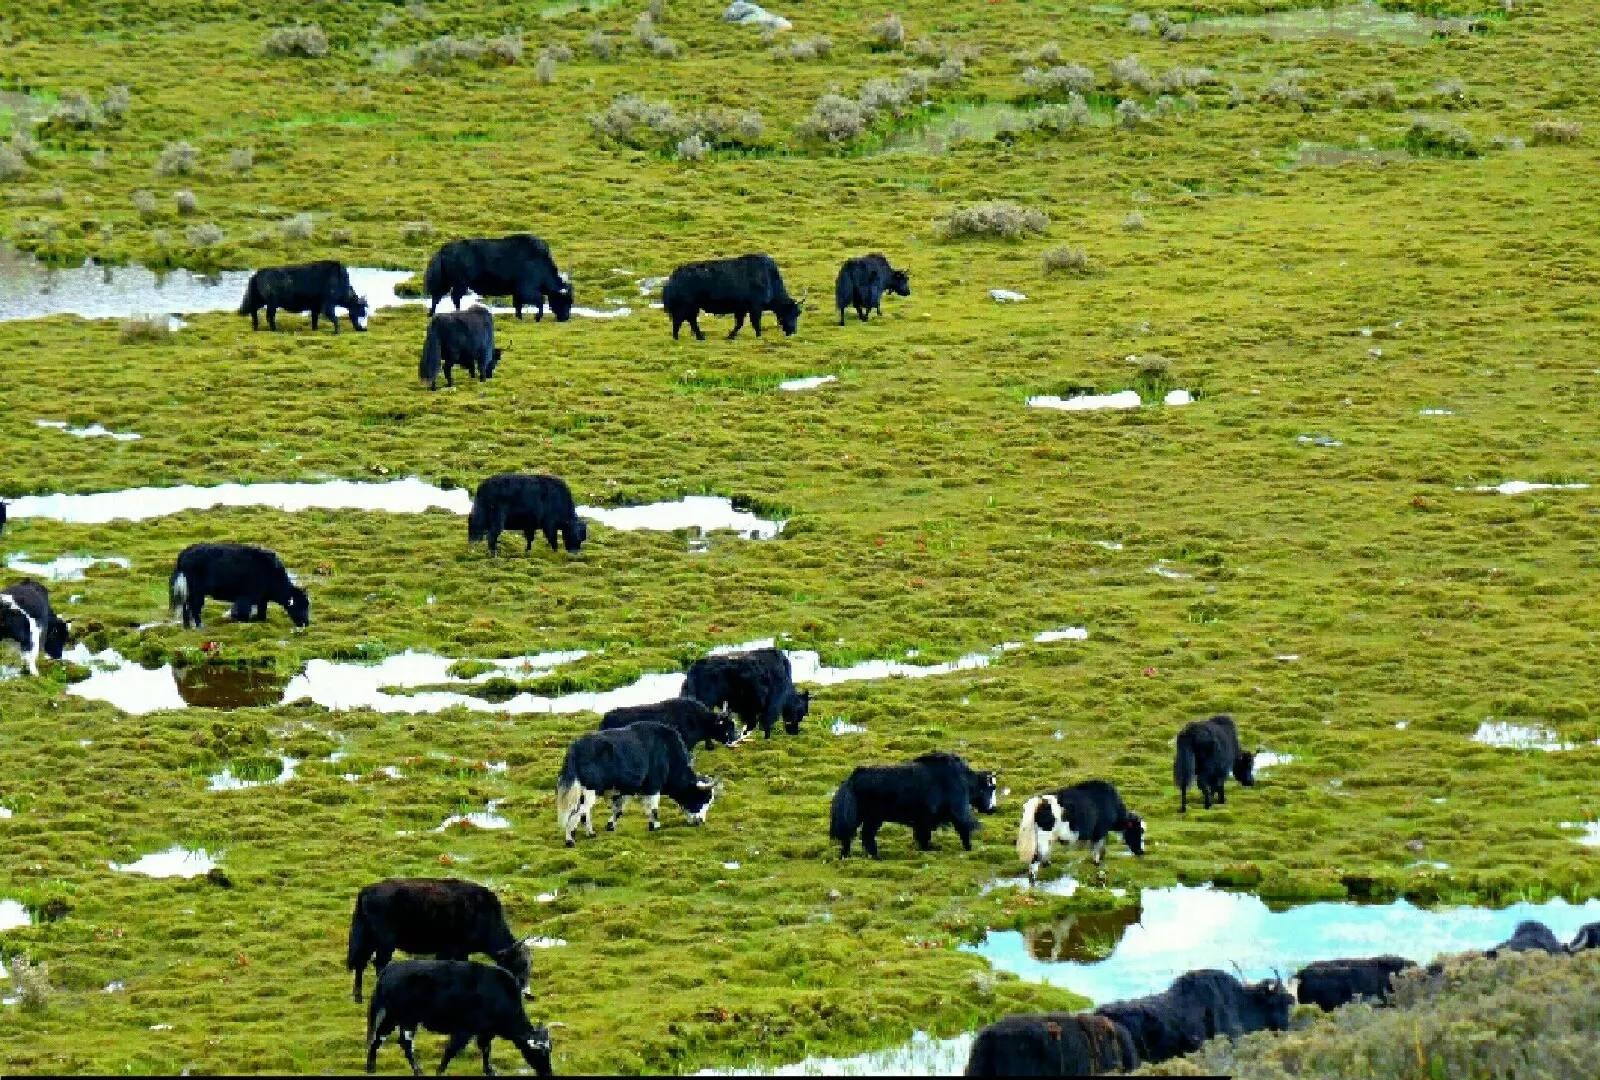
408	1040
458	1042
255	319
272	317
677	324
738	324
923	836
550	537
694	324
316	313
964	829
841	315
652	806
483	1048
385	1026
755	321
333	316
869	837
616	811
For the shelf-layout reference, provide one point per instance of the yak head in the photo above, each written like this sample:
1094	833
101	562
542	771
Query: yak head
983	791
788	313
696	800
518	963
1244	768
574	534
536	1050
795	708
561	300
1274	1001
298	607
723	729
357	308
1133	834
489	366
55	638
477	523
900	282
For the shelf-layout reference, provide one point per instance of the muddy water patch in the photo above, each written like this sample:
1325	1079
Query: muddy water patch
215	686
63	567
175	861
93	431
1183	928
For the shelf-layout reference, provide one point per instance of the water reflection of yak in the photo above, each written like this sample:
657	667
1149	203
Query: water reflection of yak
1085	937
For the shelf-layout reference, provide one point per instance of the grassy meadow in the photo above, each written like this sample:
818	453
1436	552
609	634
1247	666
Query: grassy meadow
1322	229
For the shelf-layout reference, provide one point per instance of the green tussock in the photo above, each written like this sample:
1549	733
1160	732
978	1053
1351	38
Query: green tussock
928	509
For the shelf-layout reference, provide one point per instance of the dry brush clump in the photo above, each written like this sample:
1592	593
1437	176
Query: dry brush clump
298	227
241	160
1379	95
185	202
307	41
545	70
13	166
631	120
144	329
1131	73
1520	1016
837	119
1059	120
1284	89
1059	81
1005	220
1187	78
1556	132
203	235
145	204
1065	259
646	33
32	982
177	159
601	44
1429	135
887	33
812	47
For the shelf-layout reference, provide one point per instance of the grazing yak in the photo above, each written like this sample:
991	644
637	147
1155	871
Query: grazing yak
757	686
459	337
530	504
1330	984
1207	751
27	619
1529	936
1052	1044
693	722
933	790
320	288
646	760
518	266
444	917
743	287
1588	937
248	577
1083	814
1198	1006
862	283
458	998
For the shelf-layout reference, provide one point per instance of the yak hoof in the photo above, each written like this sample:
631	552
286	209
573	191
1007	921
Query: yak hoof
571	842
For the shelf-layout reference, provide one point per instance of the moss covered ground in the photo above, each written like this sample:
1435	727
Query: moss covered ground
928	507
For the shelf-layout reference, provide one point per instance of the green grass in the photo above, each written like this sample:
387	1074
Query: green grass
928	508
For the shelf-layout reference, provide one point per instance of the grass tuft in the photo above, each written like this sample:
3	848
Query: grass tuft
1556	132
1005	220
1066	259
307	41
177	159
143	330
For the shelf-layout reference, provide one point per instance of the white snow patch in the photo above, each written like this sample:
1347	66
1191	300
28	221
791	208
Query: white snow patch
1124	399
1006	296
176	861
1511	736
810	382
93	431
1523	487
1178	397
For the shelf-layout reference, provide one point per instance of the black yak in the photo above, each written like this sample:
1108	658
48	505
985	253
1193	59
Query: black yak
444	917
248	577
320	288
690	719
1052	1044
758	686
459	337
863	281
646	760
1529	936
458	998
933	790
27	619
1083	814
518	266
530	504
743	287
1207	751
1199	1006
1329	984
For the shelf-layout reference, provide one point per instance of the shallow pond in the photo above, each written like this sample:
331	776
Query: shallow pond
227	780
63	567
176	861
13	915
216	686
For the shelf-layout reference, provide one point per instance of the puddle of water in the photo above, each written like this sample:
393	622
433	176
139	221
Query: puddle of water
1006	296
1125	399
1071	633
64	567
176	861
842	726
113	987
13	915
1591	831
1318	440
1181	928
1266	759
1511	736
1161	569
922	1056
705	512
216	686
1109	545
648	285
745	13
810	382
227	781
1287	658
1353	22
93	431
31	290
125	685
1522	487
1175	398
5	813
546	942
406	496
487	818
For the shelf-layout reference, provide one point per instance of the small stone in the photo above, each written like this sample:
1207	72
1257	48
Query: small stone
835	894
1415	846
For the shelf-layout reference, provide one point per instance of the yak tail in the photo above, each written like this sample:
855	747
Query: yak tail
1183	768
178	591
433	276
359	951
569	793
252	297
375	1013
432	357
1028	832
844	816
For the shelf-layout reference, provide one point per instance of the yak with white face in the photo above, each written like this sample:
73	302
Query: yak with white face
646	760
27	619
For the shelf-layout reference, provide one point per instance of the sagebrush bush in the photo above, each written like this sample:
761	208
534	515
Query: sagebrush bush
298	227
12	164
1134	222
177	159
1285	89
888	32
1066	259
75	110
1006	220
1059	81
1552	132
884	95
503	51
1140	23
203	235
545	70
307	41
950	72
1130	114
1449	93
415	232
144	329
1048	54
666	48
117	101
185	201
1380	95
32	982
601	45
692	148
241	159
1060	119
1430	136
814	47
25	146
654	125
1187	78
1131	73
562	54
835	118
144	204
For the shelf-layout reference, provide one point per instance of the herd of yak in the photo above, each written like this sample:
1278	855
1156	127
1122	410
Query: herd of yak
645	751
